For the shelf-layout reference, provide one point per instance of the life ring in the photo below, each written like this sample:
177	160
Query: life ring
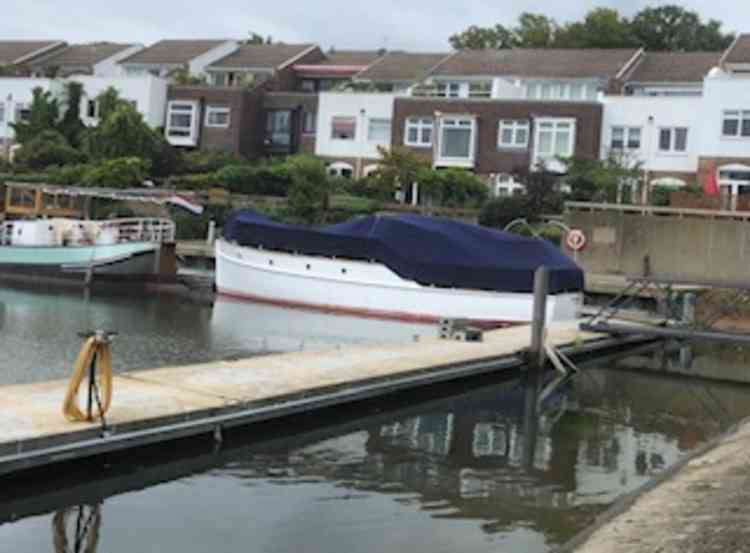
576	240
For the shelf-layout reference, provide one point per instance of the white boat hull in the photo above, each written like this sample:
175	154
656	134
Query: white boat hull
367	289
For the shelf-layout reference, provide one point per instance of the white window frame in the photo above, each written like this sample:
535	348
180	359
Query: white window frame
383	122
540	126
218	110
515	126
672	141
739	115
337	168
451	89
419	124
333	125
459	122
628	133
182	107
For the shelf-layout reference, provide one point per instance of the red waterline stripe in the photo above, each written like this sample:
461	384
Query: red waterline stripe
357	311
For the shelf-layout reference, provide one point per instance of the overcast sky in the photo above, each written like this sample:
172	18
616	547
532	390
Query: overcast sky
406	24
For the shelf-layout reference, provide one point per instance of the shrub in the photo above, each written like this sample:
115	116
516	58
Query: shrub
69	175
192	182
46	149
501	211
308	197
453	187
267	180
117	173
207	161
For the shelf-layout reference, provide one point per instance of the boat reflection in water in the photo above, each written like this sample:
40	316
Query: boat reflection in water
251	326
76	529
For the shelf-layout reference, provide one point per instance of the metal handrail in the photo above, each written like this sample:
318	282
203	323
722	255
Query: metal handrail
654	210
133	229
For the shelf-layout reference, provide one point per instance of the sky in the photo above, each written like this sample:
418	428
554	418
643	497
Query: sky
420	25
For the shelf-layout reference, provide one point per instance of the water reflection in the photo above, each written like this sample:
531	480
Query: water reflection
76	529
494	462
38	330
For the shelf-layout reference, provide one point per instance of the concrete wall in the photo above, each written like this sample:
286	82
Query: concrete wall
695	248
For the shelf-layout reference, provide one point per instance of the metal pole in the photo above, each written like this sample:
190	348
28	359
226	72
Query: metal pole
539	317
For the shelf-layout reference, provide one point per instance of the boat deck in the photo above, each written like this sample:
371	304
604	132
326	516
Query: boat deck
152	406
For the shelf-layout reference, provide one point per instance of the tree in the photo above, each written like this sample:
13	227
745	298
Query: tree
674	28
398	168
452	187
47	148
255	38
123	133
109	100
535	30
595	180
601	28
479	38
71	126
43	116
309	194
183	77
542	196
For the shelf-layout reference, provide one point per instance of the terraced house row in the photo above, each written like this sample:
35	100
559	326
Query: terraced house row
684	117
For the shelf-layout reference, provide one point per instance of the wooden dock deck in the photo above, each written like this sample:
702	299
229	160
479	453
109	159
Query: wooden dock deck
158	405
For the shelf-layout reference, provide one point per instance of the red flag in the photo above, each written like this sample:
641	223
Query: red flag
711	184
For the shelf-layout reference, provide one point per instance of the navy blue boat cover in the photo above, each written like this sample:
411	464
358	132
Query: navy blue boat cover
428	250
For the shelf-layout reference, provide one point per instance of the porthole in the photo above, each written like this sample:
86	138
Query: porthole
307	266
343	271
270	262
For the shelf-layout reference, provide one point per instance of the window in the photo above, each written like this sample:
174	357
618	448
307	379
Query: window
532	90
181	120
577	91
217	116
448	90
341	169
418	132
309	122
546	91
625	138
2	112
736	123
307	85
481	89
23	112
343	128
92	109
554	138
513	134
379	130
456	139
279	127
673	139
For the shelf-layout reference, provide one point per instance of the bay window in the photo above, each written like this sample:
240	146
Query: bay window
379	130
182	128
418	132
513	133
555	138
279	127
343	128
457	140
736	123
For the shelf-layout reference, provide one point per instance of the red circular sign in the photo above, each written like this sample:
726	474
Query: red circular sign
576	240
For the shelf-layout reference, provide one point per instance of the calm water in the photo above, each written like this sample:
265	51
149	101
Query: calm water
458	469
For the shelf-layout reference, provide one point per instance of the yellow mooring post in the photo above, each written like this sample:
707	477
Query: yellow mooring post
95	357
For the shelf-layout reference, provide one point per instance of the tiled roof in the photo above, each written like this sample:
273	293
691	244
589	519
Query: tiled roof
12	51
85	54
173	51
261	55
351	57
674	67
739	51
552	63
402	66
